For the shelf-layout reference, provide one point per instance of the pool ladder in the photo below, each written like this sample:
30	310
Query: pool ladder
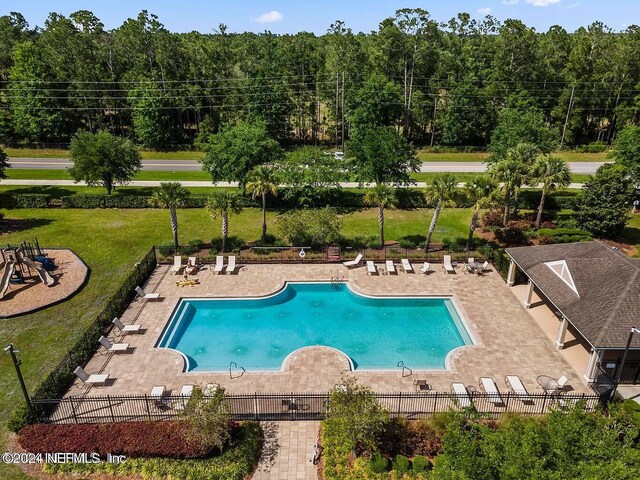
337	279
406	371
241	370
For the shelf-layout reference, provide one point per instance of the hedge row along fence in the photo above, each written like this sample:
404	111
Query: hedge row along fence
407	198
61	377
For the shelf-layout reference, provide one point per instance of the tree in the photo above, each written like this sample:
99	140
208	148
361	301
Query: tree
232	153
480	191
626	150
382	196
604	203
261	181
3	164
103	159
382	155
441	190
313	226
221	204
511	172
208	419
171	195
553	173
377	103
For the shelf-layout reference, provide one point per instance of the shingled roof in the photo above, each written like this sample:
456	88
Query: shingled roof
606	301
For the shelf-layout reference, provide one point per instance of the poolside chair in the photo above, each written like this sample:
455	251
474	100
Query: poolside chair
483	268
371	268
113	347
126	328
515	384
406	265
353	263
461	394
185	395
390	266
562	381
157	395
219	264
147	296
92	379
177	264
192	267
491	389
231	264
446	264
471	260
422	385
426	268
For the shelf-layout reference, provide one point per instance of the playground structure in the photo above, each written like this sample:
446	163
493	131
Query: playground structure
19	263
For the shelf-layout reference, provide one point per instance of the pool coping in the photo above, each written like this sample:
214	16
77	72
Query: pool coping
448	359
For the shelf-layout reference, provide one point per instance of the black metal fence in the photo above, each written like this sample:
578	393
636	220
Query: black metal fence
299	406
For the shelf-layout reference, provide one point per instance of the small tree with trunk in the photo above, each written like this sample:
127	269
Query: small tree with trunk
261	182
221	204
480	191
171	195
3	164
382	196
103	159
511	173
208	419
441	190
553	173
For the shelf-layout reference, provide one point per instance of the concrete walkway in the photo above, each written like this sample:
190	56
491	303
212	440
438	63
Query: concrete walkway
287	451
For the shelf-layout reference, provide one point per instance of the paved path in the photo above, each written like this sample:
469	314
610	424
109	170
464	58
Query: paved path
287	451
193	165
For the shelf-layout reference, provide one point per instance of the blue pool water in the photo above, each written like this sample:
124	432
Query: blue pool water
257	334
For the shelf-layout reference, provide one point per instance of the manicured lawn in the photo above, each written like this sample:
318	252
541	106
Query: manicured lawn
160	175
60	153
631	233
468	176
481	157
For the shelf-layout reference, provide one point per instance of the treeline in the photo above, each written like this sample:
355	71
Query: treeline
438	84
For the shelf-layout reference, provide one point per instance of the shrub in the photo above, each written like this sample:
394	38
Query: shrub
492	218
196	243
233	243
401	464
421	464
310	227
512	235
25	200
165	250
379	463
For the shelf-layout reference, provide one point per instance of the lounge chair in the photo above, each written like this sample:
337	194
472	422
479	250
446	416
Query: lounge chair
192	267
422	385
471	260
426	268
491	389
147	296
353	263
406	265
446	264
219	264
113	347
483	268
461	394
231	264
92	379
185	395
371	268
177	264
515	384
157	395
126	328
390	266
562	381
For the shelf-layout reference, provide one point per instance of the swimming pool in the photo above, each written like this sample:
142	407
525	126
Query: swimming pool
259	333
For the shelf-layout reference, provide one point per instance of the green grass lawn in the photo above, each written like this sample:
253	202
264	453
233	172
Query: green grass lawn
63	153
631	233
425	156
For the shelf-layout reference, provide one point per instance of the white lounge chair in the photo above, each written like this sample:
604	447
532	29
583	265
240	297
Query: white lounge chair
157	395
490	387
562	381
185	395
219	264
426	268
126	328
461	394
192	266
390	266
515	384
177	264
113	347
406	265
231	264
90	379
446	264
353	263
471	260
147	296
371	268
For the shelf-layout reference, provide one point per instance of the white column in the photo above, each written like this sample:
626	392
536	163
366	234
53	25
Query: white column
562	332
527	301
511	276
591	371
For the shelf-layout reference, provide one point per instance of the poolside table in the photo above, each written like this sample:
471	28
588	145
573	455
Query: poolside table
548	384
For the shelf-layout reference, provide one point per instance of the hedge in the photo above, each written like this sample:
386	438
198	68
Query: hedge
565	200
25	200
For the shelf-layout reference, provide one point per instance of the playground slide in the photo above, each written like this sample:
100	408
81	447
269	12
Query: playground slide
6	276
42	273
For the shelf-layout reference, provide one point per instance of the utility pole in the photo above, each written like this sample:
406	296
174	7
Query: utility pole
433	122
16	363
566	120
337	96
342	111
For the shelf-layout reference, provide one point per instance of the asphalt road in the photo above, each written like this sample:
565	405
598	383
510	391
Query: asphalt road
192	165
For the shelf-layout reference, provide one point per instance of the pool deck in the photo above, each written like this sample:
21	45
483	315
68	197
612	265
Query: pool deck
508	340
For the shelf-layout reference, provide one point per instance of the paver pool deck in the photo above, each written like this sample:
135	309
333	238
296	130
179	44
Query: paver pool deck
508	340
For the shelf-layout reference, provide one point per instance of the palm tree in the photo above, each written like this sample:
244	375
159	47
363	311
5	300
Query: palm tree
171	195
383	196
480	190
441	190
553	173
261	181
221	204
511	172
